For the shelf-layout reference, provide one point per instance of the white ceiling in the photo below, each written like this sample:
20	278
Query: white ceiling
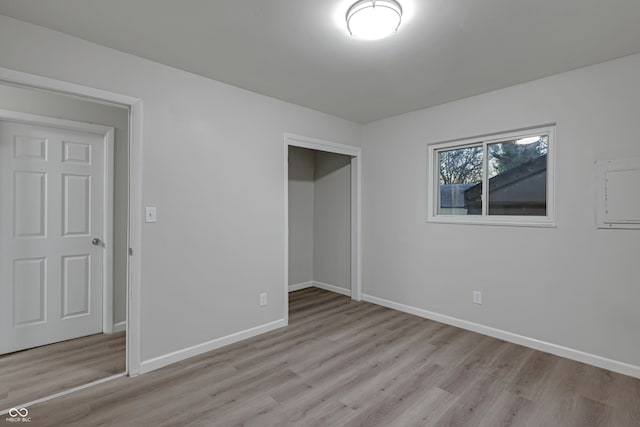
299	50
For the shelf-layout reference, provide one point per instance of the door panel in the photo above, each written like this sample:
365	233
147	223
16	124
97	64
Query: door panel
29	284
25	147
51	207
76	285
76	152
76	207
30	210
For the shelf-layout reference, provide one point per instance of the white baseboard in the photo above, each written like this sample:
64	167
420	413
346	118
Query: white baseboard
177	356
119	327
299	286
320	285
558	350
332	288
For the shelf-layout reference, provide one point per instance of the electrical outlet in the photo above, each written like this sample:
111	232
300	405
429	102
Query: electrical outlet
477	297
263	299
150	214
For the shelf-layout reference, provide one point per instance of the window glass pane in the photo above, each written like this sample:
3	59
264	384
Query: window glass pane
460	182
517	172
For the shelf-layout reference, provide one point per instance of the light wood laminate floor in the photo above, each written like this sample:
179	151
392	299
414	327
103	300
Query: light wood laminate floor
345	363
38	372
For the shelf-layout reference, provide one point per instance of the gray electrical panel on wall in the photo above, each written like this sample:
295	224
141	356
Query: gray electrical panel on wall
618	198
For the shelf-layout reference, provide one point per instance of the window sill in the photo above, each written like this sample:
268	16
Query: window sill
543	222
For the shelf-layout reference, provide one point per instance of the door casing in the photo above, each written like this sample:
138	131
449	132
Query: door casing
292	140
135	209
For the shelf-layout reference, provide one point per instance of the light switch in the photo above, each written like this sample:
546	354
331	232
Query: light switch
150	214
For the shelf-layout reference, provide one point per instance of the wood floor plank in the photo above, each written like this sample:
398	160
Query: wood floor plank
244	413
424	412
509	410
347	363
390	403
35	373
534	376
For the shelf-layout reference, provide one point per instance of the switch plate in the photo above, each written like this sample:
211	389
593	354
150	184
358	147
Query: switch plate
477	297
263	299
150	214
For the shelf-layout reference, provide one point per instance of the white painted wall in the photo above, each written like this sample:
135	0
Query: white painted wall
212	165
573	285
213	162
65	107
332	220
301	169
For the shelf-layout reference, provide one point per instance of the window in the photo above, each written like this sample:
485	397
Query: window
502	179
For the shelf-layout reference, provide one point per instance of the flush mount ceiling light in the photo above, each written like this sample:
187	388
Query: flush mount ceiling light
374	19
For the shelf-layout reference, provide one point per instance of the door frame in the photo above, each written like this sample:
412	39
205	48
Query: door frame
107	133
293	140
135	210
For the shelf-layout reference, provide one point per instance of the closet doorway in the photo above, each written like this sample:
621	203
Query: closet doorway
322	217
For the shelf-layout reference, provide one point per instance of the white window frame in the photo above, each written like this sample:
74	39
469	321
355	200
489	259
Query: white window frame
433	180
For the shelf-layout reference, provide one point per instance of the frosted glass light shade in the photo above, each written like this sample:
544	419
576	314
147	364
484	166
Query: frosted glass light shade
374	19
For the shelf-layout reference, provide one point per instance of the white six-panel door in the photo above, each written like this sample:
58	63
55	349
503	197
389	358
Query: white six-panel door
51	208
